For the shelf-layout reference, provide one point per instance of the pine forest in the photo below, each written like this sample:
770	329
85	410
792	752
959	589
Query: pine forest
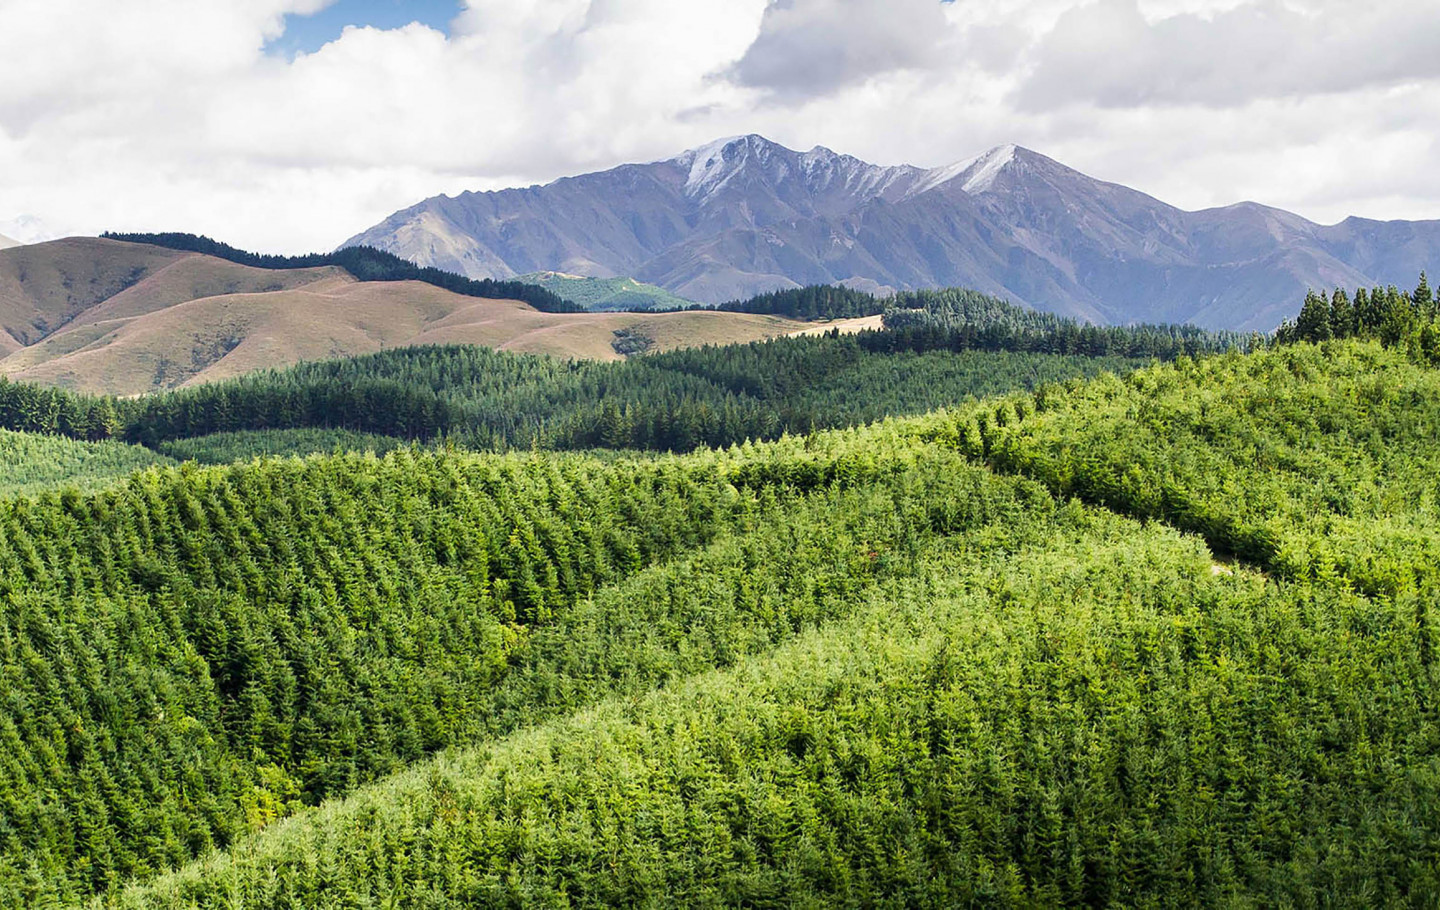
984	607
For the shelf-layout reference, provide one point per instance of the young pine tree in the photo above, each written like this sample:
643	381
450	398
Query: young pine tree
1342	315
1313	323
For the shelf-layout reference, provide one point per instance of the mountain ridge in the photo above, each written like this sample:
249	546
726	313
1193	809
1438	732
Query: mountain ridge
744	215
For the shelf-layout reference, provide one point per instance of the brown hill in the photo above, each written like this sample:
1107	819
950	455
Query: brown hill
105	316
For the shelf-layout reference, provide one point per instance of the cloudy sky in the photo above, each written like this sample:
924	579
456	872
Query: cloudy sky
289	125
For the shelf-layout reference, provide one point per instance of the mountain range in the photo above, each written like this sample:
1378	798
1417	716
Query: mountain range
745	215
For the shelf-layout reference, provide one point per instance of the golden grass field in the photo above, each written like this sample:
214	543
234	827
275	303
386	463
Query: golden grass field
103	316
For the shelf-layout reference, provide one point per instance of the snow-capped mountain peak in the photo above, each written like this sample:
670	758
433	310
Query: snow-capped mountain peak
713	166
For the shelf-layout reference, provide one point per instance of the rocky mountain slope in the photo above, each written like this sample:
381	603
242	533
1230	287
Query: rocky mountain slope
745	215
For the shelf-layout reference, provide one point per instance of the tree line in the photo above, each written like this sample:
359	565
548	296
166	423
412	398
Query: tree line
1394	317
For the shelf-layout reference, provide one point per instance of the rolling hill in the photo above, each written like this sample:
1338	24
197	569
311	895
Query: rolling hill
102	315
601	294
744	216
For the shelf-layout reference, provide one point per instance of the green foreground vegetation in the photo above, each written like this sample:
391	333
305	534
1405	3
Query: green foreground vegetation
1086	715
1120	617
1314	462
1155	639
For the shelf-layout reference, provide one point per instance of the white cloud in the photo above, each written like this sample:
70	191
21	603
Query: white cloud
1110	54
809	48
168	114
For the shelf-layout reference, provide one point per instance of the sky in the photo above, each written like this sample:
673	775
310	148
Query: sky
307	32
290	125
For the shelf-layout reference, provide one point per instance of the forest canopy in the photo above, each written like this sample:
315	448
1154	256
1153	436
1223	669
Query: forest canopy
1164	638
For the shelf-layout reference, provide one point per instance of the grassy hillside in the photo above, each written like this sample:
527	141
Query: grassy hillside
104	316
123	318
600	294
364	263
45	286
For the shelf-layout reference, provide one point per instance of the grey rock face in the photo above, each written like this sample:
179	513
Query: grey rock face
743	216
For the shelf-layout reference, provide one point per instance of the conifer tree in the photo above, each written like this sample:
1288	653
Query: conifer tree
1313	323
1423	298
1342	315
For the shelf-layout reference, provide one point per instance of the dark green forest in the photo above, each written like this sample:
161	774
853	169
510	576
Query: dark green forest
676	401
1153	627
959	319
938	348
480	398
816	302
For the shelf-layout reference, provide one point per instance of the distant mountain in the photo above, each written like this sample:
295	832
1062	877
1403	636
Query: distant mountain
745	215
101	315
7	244
27	229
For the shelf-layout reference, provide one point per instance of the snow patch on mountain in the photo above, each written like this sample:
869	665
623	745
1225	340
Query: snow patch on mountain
940	176
988	167
708	166
979	172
